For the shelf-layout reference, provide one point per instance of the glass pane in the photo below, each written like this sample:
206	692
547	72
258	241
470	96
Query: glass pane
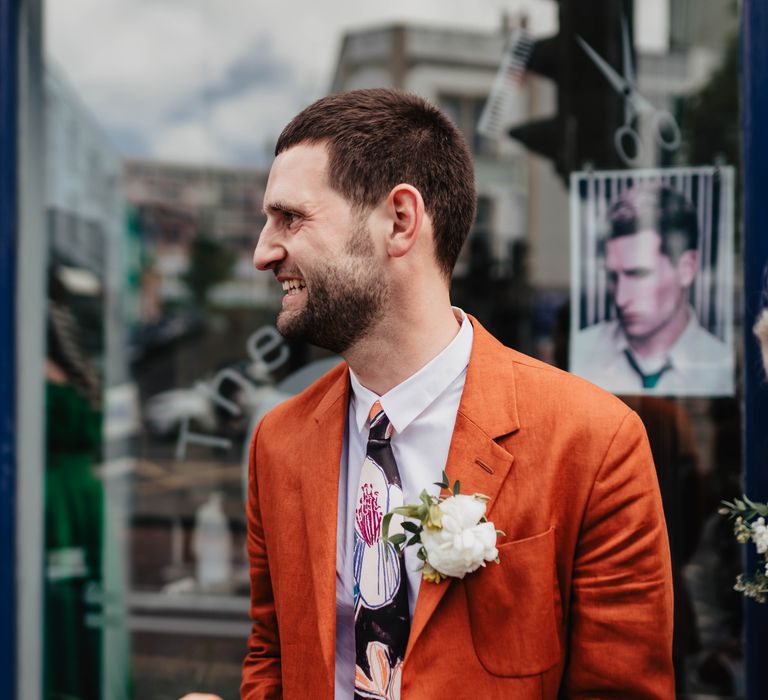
162	353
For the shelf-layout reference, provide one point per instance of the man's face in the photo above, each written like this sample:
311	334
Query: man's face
322	252
648	288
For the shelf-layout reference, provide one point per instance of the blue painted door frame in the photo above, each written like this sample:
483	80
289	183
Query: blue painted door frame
8	228
754	104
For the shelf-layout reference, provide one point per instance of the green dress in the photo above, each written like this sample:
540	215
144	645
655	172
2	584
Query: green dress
74	509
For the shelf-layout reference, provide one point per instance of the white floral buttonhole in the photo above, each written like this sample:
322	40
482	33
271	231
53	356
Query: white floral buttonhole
454	536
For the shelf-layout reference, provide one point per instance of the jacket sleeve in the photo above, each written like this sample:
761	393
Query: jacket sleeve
261	668
621	608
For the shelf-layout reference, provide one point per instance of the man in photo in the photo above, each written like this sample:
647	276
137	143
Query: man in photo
369	201
655	343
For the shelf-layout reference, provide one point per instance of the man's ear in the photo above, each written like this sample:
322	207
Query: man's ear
687	267
405	209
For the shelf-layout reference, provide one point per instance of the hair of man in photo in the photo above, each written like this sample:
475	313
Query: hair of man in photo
660	208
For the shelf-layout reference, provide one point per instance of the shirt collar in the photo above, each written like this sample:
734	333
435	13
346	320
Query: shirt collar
680	352
408	400
677	355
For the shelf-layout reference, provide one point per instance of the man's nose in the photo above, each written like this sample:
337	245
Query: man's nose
269	251
621	293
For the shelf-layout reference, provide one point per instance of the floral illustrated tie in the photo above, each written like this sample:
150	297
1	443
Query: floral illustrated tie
382	619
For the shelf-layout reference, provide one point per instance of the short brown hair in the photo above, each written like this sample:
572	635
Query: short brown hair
660	208
379	138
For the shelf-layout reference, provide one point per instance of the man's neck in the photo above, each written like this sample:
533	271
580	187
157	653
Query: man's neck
400	346
660	342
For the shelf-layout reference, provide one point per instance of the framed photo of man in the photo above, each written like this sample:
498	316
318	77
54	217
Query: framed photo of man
652	280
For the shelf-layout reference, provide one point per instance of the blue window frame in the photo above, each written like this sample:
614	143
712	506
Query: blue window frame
754	74
8	219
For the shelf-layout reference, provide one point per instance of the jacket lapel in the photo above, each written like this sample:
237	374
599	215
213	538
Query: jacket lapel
487	411
322	449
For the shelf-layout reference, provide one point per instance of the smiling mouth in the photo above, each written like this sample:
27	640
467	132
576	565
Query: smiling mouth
294	286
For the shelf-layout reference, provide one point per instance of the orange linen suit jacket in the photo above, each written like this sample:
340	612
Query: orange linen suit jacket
580	605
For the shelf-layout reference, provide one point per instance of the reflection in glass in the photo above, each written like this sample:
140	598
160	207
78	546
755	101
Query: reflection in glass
148	582
74	504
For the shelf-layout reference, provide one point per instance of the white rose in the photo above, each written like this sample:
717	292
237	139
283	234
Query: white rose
463	544
760	535
461	512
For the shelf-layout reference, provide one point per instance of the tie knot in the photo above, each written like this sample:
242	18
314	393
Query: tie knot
374	412
651	379
380	427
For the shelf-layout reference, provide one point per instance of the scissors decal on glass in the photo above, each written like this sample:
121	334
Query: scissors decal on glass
665	128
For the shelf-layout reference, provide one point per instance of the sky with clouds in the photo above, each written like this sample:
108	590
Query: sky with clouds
216	80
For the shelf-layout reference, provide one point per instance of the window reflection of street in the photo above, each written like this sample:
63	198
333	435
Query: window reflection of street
171	242
193	448
190	475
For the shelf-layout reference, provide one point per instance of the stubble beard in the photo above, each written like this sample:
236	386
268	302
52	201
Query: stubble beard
344	301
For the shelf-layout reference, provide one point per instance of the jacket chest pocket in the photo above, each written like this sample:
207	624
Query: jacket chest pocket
513	608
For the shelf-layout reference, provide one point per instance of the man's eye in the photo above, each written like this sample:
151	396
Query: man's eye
290	217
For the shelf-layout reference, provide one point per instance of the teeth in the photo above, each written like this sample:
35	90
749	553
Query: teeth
289	285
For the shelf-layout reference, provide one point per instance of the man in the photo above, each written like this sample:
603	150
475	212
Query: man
368	203
656	343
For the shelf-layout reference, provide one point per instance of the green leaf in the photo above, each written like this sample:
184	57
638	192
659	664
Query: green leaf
414	540
407	511
456	488
411	527
398	539
444	483
422	554
385	525
757	508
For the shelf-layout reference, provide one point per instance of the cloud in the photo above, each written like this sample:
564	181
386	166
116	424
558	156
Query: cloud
189	142
239	129
217	79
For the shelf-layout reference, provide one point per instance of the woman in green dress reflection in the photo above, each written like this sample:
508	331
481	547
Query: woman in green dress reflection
74	503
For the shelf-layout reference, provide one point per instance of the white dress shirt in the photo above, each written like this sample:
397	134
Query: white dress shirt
422	411
699	364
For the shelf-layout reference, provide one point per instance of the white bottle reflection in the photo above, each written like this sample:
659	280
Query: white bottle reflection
212	545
